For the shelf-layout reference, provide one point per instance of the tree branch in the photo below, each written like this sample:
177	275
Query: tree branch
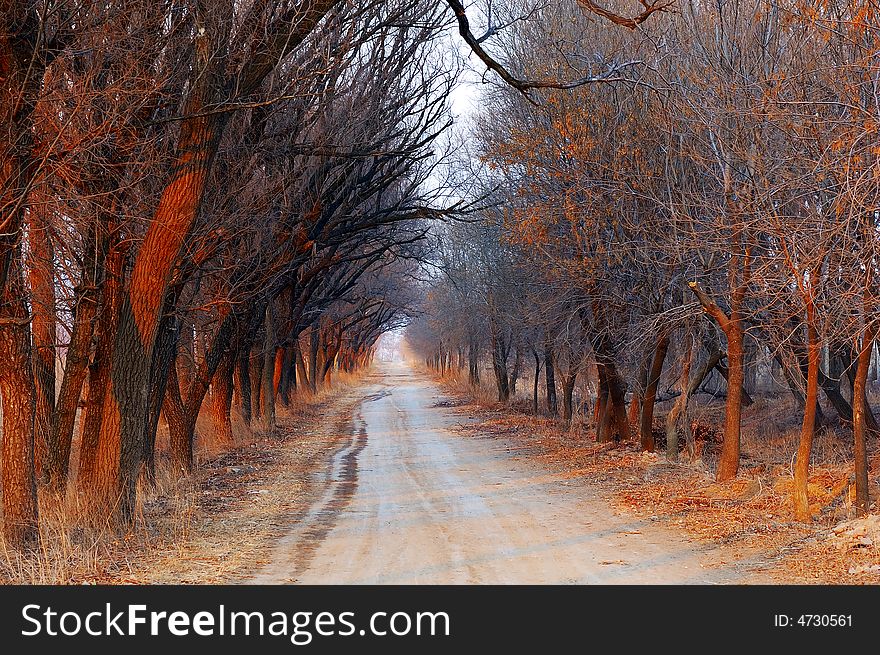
710	306
475	44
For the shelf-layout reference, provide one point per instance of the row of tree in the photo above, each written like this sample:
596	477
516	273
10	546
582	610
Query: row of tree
198	199
712	203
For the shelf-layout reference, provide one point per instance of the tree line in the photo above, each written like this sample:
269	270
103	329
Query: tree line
705	210
202	203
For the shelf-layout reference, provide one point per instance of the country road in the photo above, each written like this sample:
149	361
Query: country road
408	500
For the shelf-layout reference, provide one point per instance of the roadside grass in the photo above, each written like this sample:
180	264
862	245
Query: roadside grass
80	546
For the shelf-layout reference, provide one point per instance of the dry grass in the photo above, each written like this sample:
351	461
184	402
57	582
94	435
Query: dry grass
753	513
185	529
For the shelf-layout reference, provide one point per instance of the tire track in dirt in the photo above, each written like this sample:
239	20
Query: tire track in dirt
338	483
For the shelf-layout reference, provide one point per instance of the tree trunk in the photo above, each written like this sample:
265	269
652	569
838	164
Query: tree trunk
164	356
728	463
616	401
647	419
180	424
221	399
473	364
860	401
314	345
601	413
746	399
635	403
537	377
268	391
288	375
41	273
277	370
256	377
499	366
515	373
678	413
802	464
302	375
568	382
20	525
99	373
125	409
550	377
76	368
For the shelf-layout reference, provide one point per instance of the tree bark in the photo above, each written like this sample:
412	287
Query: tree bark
635	403
616	401
860	402
221	399
473	364
550	378
287	381
268	391
41	273
678	414
76	369
535	387
302	374
180	424
601	413
802	463
20	519
568	382
314	346
164	356
732	326
499	363
647	418
99	373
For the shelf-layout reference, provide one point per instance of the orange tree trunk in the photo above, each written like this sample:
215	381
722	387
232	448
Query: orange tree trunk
42	279
860	401
181	406
802	464
269	359
87	296
647	419
617	404
179	422
301	373
678	414
17	392
728	463
99	372
635	403
120	453
221	399
732	326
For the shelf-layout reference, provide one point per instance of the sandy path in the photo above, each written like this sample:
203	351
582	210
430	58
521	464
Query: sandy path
409	501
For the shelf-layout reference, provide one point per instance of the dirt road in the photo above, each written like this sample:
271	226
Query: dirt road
407	500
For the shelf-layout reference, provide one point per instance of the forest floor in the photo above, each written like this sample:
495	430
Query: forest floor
750	516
